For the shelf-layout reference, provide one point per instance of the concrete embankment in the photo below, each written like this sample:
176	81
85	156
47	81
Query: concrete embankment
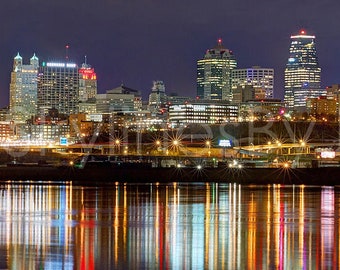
258	176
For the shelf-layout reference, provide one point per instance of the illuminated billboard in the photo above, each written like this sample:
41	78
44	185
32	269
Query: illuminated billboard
327	154
63	141
224	143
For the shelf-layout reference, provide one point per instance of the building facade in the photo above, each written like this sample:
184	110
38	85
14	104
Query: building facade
87	83
157	97
58	88
262	79
120	99
302	73
7	131
322	107
261	110
243	93
202	112
333	92
42	133
214	73
23	89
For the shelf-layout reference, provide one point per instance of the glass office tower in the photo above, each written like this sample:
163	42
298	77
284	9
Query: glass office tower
58	88
214	73
302	73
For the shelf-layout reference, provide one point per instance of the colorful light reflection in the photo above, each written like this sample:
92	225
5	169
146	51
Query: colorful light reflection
175	226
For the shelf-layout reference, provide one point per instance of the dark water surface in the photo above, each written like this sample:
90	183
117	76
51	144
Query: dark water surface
169	226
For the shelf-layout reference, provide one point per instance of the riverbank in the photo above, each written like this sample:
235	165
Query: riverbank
257	176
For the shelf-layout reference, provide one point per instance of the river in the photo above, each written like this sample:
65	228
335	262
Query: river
168	226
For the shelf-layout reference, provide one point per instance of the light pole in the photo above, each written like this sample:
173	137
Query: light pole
157	146
208	144
279	145
175	143
117	144
253	150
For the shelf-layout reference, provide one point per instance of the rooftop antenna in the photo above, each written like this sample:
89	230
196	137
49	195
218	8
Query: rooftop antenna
85	60
66	51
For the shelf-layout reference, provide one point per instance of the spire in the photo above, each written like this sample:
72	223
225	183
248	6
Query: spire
17	63
85	64
66	51
34	61
34	57
18	57
219	44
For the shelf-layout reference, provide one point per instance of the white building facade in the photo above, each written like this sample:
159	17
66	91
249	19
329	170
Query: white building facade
23	89
262	79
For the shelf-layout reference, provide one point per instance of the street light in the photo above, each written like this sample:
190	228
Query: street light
279	144
303	145
117	144
276	161
175	144
157	146
208	144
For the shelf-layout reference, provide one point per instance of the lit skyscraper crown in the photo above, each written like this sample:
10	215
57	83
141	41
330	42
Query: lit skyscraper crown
302	73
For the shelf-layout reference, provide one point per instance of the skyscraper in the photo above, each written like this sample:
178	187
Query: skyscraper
262	79
214	73
157	97
302	73
23	89
58	88
87	82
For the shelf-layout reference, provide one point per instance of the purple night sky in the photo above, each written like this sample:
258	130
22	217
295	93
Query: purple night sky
135	42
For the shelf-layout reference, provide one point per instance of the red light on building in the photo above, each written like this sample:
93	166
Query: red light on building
88	74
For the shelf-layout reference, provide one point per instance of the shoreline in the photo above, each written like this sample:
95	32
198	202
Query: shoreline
251	176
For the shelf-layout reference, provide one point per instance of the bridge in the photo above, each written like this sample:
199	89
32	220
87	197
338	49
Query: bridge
284	148
264	150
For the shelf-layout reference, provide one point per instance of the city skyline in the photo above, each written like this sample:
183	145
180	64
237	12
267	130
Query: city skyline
137	43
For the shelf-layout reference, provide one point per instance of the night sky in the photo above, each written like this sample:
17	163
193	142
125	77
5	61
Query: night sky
137	41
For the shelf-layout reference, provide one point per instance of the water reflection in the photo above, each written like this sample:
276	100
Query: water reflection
173	226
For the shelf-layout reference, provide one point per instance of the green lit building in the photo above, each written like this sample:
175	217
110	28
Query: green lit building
214	73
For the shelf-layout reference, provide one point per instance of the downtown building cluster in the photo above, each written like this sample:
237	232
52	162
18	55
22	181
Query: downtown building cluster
54	100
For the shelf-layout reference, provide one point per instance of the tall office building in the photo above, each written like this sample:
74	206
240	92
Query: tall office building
119	99
23	89
157	97
214	73
262	79
87	82
58	88
302	73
